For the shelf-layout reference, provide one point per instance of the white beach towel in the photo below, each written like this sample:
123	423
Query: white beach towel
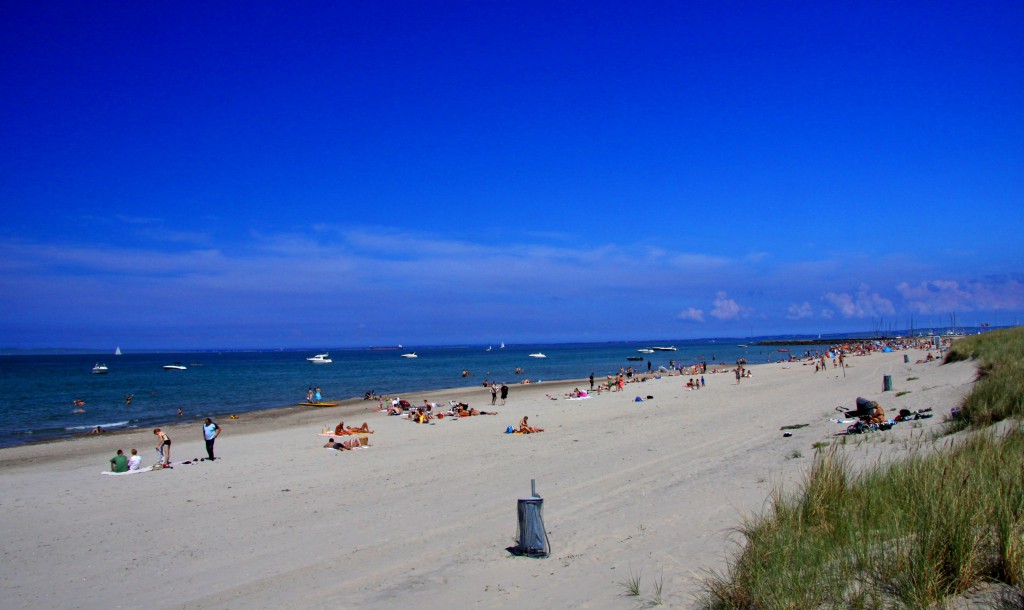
146	469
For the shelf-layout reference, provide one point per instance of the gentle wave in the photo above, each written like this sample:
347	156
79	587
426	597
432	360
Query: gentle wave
117	424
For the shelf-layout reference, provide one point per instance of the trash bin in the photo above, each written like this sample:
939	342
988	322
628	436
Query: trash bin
532	538
906	359
887	383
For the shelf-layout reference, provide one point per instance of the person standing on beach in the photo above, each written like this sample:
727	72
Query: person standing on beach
309	394
163	447
317	395
494	394
504	393
591	382
210	432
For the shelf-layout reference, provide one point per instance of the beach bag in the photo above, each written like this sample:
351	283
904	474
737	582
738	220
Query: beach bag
510	430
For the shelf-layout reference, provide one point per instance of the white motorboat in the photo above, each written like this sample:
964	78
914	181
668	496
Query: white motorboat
320	359
177	366
646	350
99	369
538	355
410	355
670	348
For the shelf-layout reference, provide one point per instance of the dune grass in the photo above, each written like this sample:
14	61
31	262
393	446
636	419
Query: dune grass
999	393
909	534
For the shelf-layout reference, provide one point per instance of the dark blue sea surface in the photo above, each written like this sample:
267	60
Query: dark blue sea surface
37	392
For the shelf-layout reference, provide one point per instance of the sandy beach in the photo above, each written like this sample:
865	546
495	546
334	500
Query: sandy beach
424	516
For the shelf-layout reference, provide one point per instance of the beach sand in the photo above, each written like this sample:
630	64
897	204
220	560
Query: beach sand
424	516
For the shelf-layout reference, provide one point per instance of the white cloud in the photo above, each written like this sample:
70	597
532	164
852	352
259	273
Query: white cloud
692	313
726	308
945	296
864	304
799	311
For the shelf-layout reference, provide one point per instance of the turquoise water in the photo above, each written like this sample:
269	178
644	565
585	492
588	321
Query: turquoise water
36	392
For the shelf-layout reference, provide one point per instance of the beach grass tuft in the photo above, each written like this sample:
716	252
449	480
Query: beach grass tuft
631	584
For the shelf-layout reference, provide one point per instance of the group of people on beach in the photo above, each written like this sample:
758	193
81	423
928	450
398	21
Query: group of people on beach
313	395
163	447
122	463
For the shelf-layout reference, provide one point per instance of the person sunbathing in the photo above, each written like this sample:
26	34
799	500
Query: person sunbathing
341	429
346	445
525	428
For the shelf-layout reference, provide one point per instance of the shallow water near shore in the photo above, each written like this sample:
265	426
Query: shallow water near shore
37	392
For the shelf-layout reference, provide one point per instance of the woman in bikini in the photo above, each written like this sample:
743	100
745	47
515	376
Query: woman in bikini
164	446
525	428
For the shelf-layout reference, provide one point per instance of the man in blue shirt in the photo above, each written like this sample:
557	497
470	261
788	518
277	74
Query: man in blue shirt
210	432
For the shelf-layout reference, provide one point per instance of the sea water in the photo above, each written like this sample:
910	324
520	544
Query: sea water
37	391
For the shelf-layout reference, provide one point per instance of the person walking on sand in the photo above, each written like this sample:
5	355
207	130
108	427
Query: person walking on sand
210	432
504	393
494	394
591	382
163	447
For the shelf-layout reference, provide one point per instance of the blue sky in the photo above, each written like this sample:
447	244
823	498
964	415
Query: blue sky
229	174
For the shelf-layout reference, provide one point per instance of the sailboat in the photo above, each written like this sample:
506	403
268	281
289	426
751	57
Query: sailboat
502	345
117	352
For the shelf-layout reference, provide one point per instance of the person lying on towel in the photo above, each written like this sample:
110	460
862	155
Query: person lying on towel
341	429
346	445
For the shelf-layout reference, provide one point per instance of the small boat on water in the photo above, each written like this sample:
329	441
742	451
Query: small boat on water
743	346
670	348
646	350
635	358
177	366
117	352
320	359
538	355
410	355
99	369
